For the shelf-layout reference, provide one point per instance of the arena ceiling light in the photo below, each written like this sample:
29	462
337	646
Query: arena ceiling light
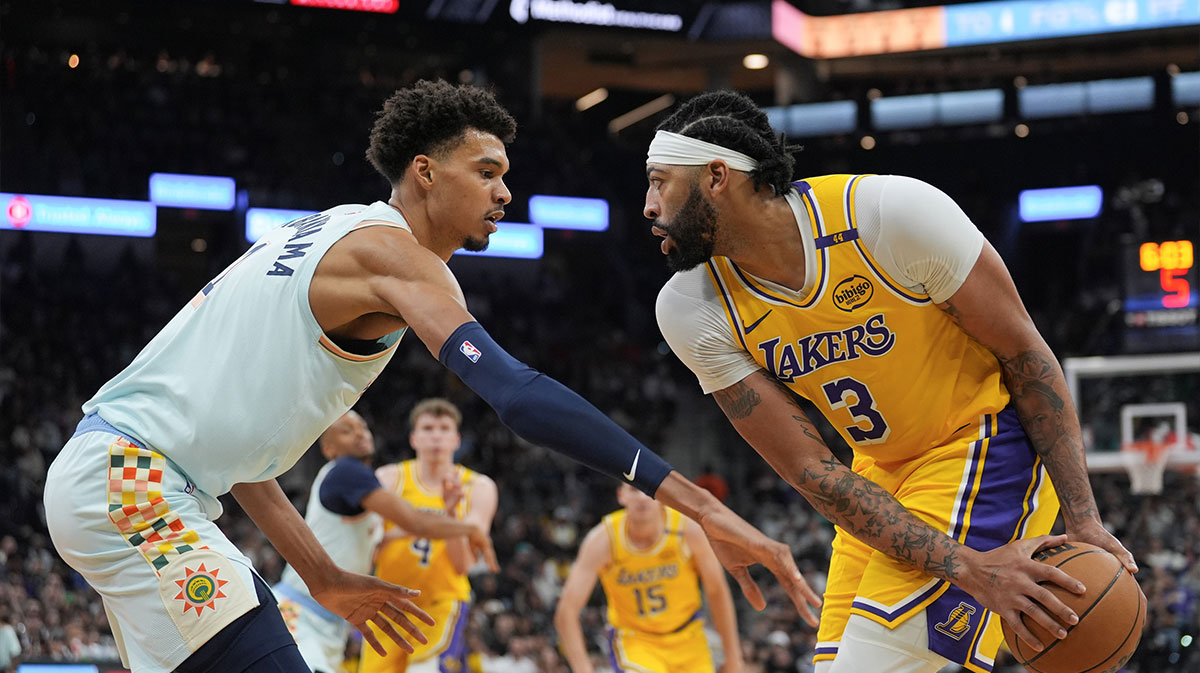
641	112
591	99
755	61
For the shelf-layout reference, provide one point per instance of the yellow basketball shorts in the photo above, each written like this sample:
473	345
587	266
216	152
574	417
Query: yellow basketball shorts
983	491
683	651
447	646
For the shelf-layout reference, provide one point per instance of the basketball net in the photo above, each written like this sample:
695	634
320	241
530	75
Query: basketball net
1146	461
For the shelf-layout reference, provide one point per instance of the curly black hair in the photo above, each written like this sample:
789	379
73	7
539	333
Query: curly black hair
429	117
732	120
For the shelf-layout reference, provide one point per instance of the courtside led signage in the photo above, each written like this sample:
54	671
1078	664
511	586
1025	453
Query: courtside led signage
568	212
206	192
523	241
1061	203
74	215
261	220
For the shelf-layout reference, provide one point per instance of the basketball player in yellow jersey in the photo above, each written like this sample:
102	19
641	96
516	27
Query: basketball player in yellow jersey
651	561
433	482
877	299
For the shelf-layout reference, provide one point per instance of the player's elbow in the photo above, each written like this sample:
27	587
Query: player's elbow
564	613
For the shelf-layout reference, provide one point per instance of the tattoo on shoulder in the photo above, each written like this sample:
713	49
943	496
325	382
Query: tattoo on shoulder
952	311
738	400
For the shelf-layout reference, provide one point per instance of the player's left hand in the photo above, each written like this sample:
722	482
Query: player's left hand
361	598
1094	532
738	545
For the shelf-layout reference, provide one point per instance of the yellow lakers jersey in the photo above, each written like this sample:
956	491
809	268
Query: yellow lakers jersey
888	368
656	590
423	563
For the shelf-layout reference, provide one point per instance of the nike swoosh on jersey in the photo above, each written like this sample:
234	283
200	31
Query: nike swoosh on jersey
747	330
633	468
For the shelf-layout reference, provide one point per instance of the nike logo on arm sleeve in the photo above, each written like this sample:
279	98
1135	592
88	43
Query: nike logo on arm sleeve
633	468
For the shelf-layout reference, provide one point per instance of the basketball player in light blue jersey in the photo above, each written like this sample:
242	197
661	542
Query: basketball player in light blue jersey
346	508
270	353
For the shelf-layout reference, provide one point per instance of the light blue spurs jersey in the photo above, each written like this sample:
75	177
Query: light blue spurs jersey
243	380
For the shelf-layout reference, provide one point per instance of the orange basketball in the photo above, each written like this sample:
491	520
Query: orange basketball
1111	614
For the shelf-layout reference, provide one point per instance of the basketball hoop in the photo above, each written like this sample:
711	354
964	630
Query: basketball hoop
1146	461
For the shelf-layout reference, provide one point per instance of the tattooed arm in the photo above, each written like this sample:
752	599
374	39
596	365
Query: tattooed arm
1005	580
988	308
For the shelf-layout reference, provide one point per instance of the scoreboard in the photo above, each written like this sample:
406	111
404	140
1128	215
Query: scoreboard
1161	288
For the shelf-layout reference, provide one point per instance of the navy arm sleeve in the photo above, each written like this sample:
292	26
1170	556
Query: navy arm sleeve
545	412
346	484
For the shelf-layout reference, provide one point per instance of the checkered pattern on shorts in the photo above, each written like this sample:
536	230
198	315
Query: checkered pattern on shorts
137	507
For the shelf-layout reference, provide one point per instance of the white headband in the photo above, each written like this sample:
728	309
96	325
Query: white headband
678	150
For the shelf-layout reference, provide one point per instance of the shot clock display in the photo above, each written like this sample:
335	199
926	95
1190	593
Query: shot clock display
1161	288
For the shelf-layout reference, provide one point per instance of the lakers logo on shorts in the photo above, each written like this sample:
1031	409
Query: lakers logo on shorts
200	589
959	621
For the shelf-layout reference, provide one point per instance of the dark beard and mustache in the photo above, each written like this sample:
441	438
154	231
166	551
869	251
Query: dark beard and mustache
693	233
474	244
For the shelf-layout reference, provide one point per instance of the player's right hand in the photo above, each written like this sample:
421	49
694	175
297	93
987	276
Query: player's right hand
738	545
481	545
1010	583
361	598
452	494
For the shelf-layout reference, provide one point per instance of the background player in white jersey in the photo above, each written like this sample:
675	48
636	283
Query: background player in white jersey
271	352
830	288
652	563
347	507
433	482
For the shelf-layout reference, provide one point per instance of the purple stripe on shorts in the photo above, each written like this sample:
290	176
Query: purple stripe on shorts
969	493
999	510
889	615
456	650
612	650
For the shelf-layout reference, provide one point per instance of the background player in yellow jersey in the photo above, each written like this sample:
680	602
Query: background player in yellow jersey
347	507
651	561
433	482
877	299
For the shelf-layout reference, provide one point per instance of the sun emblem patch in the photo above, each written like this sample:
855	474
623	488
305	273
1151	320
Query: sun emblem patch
200	588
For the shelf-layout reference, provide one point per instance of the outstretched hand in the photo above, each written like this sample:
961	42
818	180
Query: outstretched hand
738	545
481	545
361	598
1010	583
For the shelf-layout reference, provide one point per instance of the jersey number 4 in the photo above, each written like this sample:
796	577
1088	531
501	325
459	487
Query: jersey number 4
854	394
423	548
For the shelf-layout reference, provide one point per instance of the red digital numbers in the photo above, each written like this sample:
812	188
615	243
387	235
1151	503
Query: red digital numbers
1171	259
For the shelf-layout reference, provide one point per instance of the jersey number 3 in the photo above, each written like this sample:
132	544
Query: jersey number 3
861	407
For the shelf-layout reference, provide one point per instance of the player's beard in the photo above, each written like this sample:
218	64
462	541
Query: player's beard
693	233
475	243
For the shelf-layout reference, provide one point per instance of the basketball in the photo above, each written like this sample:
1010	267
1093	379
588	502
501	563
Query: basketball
1111	614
